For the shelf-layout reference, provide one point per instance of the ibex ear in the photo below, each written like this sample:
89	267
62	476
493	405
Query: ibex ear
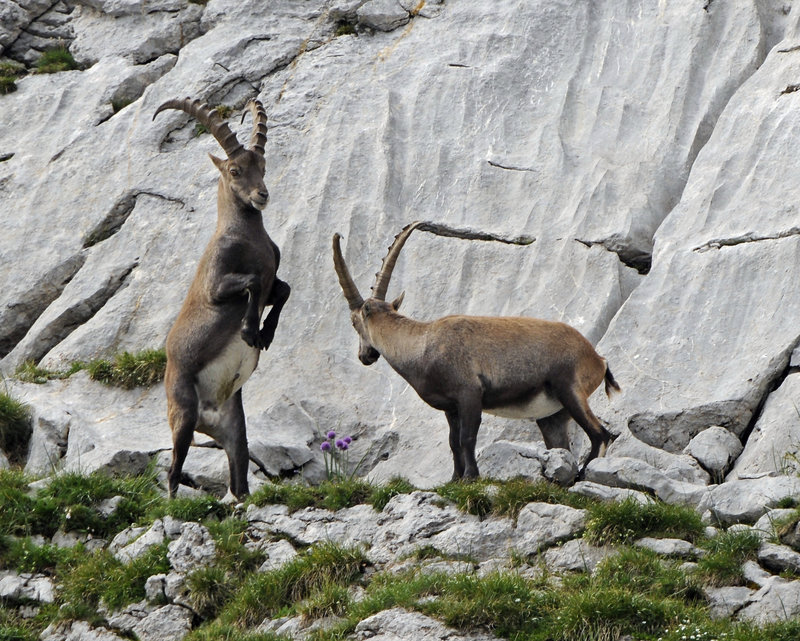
398	301
219	162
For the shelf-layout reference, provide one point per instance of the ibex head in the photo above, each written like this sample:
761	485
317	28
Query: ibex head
362	311
242	172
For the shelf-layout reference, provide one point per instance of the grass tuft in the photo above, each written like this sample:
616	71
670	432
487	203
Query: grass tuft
726	553
264	594
128	370
472	497
30	372
15	427
55	60
625	521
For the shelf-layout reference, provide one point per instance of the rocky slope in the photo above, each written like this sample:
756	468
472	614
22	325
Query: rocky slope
648	148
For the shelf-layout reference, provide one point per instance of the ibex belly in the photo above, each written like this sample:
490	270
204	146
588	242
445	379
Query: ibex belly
223	377
539	406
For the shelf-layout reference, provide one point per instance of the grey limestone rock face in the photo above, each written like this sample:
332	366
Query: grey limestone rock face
34	587
77	631
649	162
774	443
724	602
576	555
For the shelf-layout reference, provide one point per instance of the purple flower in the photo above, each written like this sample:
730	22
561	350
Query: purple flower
340	444
347	440
331	434
325	447
344	446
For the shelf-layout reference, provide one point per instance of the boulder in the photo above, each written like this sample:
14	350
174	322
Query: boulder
716	449
745	501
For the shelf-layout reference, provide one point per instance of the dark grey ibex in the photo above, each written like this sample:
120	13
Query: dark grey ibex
465	365
214	345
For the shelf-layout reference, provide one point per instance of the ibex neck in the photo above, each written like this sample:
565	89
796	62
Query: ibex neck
232	213
399	339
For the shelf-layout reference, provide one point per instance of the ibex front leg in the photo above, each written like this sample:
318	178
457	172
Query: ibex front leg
235	285
277	298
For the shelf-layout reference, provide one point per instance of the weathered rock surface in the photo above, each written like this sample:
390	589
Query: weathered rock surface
646	148
716	449
398	624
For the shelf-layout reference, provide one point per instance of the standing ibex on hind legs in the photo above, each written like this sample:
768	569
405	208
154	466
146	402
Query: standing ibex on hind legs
213	347
465	365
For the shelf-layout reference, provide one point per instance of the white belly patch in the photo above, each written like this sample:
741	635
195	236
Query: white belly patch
539	406
223	377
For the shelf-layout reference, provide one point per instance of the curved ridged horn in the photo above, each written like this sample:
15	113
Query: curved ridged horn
349	288
208	117
258	139
383	276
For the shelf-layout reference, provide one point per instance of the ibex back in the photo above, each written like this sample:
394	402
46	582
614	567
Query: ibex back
466	365
214	345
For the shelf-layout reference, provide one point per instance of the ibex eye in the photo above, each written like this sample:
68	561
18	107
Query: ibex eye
234	171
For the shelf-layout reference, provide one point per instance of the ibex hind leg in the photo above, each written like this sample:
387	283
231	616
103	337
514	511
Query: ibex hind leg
182	415
455	445
554	429
580	411
232	436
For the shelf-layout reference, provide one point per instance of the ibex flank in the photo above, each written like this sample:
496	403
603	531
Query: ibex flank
214	345
466	365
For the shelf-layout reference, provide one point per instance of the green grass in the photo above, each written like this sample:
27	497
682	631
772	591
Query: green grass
264	594
15	427
55	60
623	522
725	554
69	503
330	495
30	372
634	592
128	370
10	72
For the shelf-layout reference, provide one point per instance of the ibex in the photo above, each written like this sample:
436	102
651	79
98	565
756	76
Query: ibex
466	365
213	347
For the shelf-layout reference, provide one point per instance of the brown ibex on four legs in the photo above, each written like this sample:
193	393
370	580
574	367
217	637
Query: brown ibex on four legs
214	345
465	365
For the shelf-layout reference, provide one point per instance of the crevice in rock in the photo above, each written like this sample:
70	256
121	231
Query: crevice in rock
80	312
118	216
508	167
719	243
633	258
781	373
8	156
18	317
471	234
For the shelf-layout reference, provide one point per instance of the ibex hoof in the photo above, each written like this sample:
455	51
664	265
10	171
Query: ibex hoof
251	337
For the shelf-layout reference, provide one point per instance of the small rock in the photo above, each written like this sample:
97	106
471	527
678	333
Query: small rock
543	524
716	449
778	558
192	549
724	602
777	600
278	554
576	555
168	623
607	493
677	548
383	15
